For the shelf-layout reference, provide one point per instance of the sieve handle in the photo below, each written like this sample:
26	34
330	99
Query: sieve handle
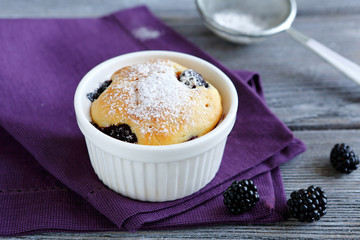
344	65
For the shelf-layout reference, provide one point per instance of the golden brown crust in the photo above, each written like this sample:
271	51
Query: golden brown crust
184	114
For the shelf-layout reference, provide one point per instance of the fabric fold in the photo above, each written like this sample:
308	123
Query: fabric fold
44	154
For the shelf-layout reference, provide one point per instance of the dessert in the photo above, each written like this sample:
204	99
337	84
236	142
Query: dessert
156	173
158	102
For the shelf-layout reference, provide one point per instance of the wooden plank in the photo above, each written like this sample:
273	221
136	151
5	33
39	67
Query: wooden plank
90	8
341	222
325	7
164	9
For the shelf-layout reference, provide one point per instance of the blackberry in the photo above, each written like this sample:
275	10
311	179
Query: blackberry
192	79
240	196
95	94
343	158
307	205
122	132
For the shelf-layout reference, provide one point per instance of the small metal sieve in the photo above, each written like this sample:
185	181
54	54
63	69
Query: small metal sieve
249	21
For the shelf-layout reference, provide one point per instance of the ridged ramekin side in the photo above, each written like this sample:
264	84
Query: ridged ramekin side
155	182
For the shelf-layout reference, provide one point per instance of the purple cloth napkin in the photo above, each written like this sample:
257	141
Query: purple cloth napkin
46	180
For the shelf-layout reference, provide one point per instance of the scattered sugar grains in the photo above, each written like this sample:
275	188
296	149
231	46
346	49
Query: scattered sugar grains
155	97
237	21
144	33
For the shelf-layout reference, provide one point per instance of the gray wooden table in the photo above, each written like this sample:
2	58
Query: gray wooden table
320	105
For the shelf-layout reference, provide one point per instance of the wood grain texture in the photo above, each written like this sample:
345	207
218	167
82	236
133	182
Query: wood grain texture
318	103
163	9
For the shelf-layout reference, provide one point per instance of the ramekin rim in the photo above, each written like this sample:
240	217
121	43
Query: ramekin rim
228	119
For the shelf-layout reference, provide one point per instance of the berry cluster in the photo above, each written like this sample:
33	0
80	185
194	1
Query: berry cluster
95	94
192	79
343	158
240	196
308	205
122	132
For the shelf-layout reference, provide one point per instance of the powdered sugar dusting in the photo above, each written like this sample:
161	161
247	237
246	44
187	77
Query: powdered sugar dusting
238	21
152	95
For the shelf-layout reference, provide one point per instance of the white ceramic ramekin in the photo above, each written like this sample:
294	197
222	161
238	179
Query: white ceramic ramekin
155	173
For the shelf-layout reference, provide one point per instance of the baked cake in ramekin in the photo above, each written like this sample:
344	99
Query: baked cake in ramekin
154	172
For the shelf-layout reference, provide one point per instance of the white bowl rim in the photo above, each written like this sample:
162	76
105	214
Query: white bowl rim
226	125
